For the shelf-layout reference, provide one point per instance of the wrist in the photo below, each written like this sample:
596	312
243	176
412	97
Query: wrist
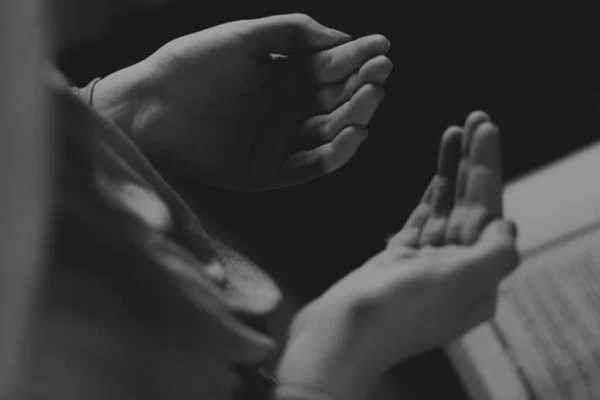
117	97
321	374
323	356
300	393
86	93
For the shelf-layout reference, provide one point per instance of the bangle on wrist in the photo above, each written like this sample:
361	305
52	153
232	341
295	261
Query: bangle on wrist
92	86
90	91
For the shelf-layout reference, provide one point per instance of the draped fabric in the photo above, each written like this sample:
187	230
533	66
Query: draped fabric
135	301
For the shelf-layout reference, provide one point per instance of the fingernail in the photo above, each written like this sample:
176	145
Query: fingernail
340	34
366	134
390	71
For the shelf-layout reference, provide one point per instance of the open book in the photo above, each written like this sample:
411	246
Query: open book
544	342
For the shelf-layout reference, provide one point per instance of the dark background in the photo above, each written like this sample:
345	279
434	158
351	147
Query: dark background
446	63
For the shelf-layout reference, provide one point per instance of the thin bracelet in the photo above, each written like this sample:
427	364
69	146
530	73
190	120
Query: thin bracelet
92	86
293	393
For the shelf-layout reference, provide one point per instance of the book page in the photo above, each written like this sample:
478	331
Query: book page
549	318
544	340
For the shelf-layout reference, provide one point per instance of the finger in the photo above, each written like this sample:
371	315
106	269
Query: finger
472	122
485	147
434	231
467	222
460	189
428	193
411	232
330	96
482	183
476	218
448	162
290	34
440	194
454	226
357	111
339	62
310	164
484	180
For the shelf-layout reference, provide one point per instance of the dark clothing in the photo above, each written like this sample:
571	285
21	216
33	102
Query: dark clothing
132	303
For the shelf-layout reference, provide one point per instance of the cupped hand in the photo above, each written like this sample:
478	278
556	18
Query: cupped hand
254	104
436	279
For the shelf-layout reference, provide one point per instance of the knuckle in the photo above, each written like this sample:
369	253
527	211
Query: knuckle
326	64
441	196
352	84
433	233
345	116
302	18
325	126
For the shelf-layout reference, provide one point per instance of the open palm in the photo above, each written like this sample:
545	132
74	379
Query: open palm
466	192
257	104
436	279
463	198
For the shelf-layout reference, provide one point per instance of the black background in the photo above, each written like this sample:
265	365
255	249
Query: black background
447	62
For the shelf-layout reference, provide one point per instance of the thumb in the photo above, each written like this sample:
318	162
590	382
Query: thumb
497	245
498	233
293	33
